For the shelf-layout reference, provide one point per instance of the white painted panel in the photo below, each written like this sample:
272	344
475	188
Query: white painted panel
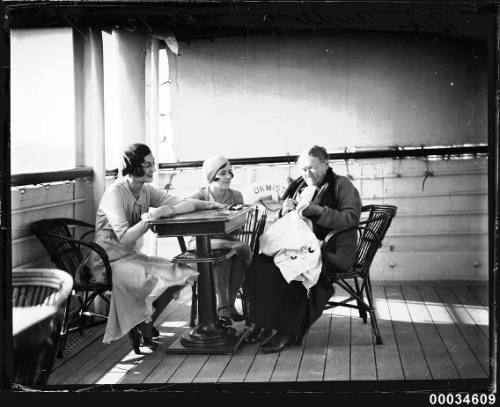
42	75
277	94
34	202
430	266
443	227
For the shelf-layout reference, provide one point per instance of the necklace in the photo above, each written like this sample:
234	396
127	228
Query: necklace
134	194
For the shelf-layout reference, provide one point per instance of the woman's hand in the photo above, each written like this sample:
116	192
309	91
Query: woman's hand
312	210
165	211
216	205
288	205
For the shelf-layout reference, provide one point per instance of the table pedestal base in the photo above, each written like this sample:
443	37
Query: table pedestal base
200	341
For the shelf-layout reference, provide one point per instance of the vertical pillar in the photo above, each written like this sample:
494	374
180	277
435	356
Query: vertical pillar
6	361
91	112
152	121
129	105
493	192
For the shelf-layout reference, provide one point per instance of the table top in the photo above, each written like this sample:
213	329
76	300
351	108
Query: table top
25	317
205	222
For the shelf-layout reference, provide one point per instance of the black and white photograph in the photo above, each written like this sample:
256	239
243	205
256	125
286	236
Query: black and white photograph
250	197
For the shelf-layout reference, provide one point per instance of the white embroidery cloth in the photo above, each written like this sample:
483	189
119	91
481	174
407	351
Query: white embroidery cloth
293	245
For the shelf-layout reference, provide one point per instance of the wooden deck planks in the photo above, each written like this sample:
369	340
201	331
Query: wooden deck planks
362	352
482	295
212	370
165	369
188	369
338	357
312	365
412	357
462	356
288	363
477	311
176	322
108	364
428	333
440	364
470	331
87	361
262	367
168	334
87	338
114	373
387	358
73	362
237	368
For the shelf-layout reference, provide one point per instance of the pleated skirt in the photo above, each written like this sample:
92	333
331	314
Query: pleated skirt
138	280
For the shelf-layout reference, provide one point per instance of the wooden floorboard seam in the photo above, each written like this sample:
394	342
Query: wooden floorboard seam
394	332
339	347
437	327
327	342
460	326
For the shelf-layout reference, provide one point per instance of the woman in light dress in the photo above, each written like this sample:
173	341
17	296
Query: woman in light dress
140	282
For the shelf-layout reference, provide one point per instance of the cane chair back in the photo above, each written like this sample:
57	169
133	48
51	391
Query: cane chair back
34	354
356	281
73	255
372	234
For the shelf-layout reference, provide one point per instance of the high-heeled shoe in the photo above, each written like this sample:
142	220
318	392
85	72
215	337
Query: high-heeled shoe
149	343
135	339
147	331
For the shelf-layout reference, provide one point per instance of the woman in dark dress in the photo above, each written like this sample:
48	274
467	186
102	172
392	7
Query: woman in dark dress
287	310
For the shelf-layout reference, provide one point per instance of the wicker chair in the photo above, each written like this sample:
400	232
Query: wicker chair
72	255
37	294
252	229
356	282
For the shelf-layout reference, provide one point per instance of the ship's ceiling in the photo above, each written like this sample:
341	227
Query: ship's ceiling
202	19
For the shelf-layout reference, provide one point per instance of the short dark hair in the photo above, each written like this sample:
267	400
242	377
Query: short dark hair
133	157
318	152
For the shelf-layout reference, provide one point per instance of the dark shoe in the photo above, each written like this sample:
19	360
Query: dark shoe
259	334
147	333
155	332
135	339
277	343
224	320
237	317
149	343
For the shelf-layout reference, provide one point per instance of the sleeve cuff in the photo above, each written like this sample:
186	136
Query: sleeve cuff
321	215
146	217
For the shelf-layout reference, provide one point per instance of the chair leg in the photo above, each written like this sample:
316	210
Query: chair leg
64	328
194	304
361	305
373	317
48	361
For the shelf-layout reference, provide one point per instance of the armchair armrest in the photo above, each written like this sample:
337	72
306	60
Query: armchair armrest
360	227
92	246
330	237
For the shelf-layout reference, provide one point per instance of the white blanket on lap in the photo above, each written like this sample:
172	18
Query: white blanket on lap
294	247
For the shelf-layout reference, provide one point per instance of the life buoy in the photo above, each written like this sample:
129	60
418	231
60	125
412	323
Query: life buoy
264	192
